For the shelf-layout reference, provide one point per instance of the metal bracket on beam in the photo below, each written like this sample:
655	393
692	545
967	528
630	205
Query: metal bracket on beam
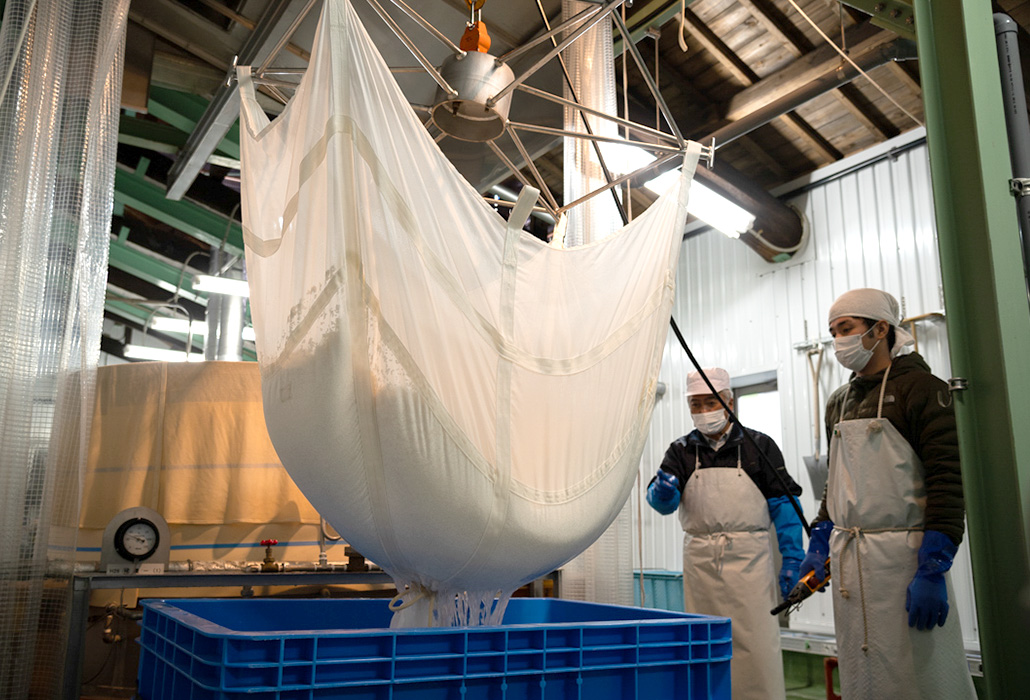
271	32
895	15
1019	186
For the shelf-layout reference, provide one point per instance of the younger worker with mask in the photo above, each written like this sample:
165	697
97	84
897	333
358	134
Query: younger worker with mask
891	518
728	499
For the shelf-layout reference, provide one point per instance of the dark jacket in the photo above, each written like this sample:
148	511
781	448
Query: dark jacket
679	460
912	403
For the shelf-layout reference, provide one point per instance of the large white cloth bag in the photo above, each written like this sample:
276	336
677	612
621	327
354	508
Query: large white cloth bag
465	404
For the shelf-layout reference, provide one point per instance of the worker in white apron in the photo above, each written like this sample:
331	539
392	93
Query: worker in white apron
889	582
729	501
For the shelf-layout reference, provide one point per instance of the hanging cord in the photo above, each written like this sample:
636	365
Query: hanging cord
656	34
843	38
853	536
747	435
847	58
228	228
681	37
626	135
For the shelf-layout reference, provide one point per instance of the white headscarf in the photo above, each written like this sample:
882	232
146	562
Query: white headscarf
877	305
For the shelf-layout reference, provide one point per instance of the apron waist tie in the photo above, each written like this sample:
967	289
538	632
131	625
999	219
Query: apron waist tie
719	540
853	534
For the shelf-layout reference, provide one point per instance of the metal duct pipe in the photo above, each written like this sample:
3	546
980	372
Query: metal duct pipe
224	318
897	50
778	231
1016	123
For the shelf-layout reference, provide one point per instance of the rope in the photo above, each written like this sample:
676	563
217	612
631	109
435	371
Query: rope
420	593
854	533
719	541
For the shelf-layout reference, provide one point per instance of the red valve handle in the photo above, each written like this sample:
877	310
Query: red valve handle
269	543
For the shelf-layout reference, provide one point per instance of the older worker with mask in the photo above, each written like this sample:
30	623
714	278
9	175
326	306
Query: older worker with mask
891	518
728	497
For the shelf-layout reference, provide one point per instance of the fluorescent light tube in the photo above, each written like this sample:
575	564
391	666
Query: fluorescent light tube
704	203
221	285
145	352
177	325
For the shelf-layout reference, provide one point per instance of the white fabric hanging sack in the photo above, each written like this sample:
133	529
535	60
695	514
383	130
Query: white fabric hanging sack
464	403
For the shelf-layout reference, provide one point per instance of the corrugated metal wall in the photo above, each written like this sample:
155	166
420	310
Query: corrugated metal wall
870	226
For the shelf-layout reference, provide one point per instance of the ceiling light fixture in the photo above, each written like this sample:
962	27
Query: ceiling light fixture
145	352
221	285
705	203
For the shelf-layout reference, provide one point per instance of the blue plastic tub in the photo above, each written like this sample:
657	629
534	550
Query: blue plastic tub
662	589
201	649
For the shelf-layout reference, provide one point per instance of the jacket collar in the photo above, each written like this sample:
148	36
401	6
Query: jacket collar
696	439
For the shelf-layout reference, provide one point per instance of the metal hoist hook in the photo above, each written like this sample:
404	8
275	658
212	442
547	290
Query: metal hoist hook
954	384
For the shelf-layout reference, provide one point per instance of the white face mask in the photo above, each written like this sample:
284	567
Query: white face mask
710	423
851	353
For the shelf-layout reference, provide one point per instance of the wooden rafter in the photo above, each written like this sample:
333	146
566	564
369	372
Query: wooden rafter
803	71
743	73
777	24
857	16
902	74
710	117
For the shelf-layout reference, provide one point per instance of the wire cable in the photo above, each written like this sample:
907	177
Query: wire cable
747	435
853	64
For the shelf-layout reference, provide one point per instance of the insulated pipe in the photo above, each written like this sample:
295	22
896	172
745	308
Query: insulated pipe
1016	122
897	50
777	227
778	230
224	339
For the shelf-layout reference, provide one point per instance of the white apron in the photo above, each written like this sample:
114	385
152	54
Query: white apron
876	499
728	571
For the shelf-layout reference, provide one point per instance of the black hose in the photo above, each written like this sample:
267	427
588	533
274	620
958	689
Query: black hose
747	435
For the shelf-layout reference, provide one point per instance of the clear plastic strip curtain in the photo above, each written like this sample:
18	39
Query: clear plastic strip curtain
61	66
603	573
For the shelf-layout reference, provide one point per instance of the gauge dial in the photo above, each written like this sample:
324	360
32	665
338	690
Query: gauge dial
136	539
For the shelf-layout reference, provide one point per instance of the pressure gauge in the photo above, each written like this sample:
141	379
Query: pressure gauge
136	539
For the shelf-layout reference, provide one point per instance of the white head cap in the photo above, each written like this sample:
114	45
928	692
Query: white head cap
875	304
719	378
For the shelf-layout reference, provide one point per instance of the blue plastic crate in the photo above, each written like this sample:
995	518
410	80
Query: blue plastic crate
545	649
662	589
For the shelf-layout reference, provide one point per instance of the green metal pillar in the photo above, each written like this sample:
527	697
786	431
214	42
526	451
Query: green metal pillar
988	318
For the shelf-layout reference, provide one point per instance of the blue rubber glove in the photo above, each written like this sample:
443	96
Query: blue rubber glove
663	492
788	536
818	550
927	597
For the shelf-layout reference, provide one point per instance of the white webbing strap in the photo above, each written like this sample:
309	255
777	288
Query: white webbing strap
249	106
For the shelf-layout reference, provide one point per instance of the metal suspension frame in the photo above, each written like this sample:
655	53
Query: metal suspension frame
666	146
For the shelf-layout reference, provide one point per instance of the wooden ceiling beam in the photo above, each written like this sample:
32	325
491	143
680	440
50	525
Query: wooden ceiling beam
803	71
777	24
710	118
747	77
865	111
902	74
857	16
719	50
762	156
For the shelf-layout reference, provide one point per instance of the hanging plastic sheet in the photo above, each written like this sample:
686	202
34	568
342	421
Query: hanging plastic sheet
435	380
